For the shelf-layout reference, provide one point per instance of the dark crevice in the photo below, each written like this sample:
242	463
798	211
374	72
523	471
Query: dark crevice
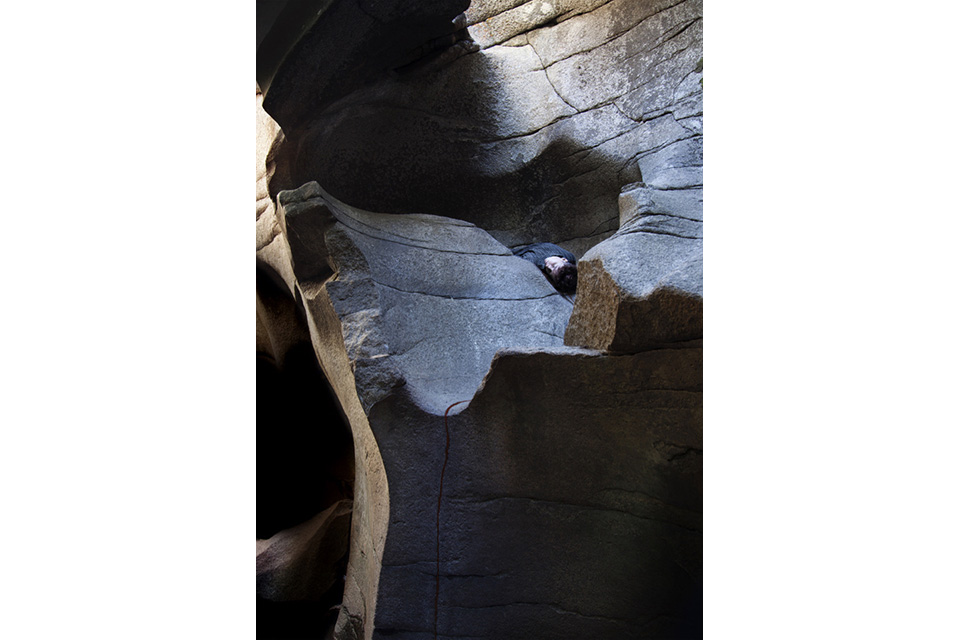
301	620
685	187
683	453
660	232
305	457
546	24
666	215
304	446
680	30
451	45
573	13
549	81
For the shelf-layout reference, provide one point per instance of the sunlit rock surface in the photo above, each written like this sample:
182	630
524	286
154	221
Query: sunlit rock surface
531	137
423	301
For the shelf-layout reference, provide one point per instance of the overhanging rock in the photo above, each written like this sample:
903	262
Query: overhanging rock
530	137
571	501
317	51
571	478
424	301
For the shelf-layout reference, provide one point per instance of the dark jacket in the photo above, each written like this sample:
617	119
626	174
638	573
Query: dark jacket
537	253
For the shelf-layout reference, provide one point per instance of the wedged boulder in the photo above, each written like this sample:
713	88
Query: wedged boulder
306	561
643	286
424	301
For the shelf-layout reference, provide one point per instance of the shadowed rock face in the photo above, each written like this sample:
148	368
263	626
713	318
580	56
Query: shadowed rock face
571	503
321	50
571	458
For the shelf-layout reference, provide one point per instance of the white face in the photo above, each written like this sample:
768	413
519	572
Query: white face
553	263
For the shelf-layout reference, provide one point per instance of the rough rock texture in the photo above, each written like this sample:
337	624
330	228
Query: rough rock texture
273	252
572	495
305	448
571	504
424	301
572	476
643	286
530	138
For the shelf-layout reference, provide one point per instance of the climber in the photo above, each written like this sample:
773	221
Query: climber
556	263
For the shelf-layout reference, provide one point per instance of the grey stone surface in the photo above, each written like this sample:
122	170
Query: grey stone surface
530	139
424	301
497	21
572	496
571	503
643	286
572	490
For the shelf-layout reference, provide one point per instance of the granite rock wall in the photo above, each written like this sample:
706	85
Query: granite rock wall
395	174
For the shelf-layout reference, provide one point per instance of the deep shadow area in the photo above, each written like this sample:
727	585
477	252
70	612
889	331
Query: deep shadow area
690	624
305	461
304	446
296	620
304	465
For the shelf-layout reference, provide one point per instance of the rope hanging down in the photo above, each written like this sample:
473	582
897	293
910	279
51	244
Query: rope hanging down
446	455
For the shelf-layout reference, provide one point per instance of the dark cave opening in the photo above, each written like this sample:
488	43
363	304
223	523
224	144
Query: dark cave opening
296	620
305	462
304	446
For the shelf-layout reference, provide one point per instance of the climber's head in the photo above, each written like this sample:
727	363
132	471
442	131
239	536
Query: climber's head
561	273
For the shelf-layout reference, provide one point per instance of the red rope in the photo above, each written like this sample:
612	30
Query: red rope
446	455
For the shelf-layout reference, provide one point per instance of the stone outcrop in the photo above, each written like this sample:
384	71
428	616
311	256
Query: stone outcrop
423	300
643	286
530	138
395	174
563	460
